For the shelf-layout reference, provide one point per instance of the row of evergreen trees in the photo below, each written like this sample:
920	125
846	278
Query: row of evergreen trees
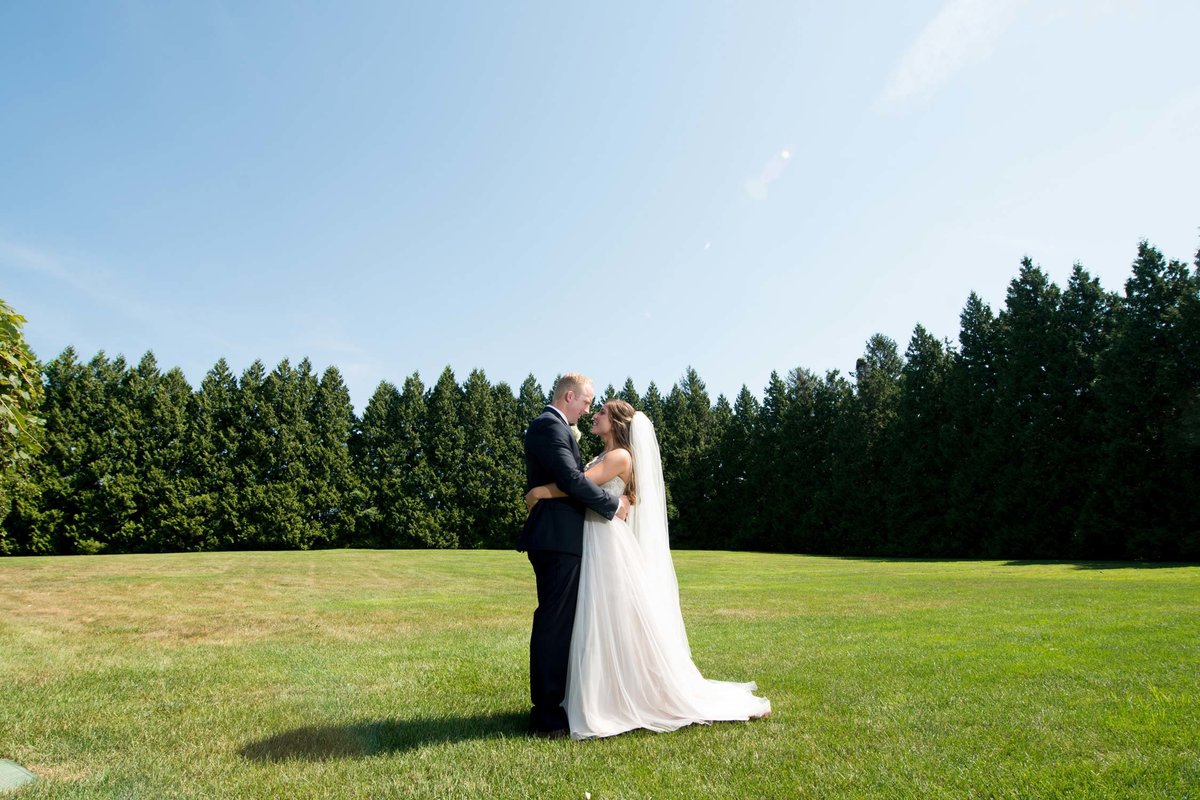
1066	426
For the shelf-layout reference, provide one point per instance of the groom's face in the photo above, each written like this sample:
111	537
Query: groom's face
578	404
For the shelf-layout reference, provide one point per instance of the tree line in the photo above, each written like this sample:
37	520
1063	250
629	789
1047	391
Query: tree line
1066	425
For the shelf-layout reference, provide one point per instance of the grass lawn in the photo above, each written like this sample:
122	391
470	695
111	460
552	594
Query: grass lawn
356	674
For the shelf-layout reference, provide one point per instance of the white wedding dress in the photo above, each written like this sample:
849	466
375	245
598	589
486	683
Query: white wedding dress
630	665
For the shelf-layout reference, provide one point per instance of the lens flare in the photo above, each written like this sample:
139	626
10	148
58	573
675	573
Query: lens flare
771	172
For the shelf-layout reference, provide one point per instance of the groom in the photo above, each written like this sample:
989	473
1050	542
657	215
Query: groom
553	539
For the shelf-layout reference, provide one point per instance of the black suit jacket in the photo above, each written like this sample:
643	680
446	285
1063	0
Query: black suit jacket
552	456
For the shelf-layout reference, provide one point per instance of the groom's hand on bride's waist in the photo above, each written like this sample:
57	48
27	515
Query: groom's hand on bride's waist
623	508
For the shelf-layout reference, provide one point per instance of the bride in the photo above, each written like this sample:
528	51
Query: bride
630	665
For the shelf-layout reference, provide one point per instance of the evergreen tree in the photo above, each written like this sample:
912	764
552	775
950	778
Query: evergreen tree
145	486
334	497
652	405
267	510
1145	505
838	444
445	451
482	495
866	445
510	509
1087	317
877	385
379	466
530	402
773	529
106	499
732	523
684	436
799	458
418	524
973	446
215	448
712	529
290	393
167	469
920	469
812	456
48	516
1034	511
629	394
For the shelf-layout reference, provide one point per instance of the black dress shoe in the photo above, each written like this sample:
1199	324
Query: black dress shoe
558	733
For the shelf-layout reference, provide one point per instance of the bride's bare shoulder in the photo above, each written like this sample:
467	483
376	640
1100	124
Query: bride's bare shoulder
620	456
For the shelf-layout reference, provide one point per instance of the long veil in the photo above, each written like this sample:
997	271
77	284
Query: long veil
648	519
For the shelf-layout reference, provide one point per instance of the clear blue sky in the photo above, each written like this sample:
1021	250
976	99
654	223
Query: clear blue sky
621	188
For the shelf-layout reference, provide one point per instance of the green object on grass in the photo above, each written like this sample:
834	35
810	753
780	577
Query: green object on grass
13	775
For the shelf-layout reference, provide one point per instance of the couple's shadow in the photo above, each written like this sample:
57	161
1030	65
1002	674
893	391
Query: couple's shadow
364	739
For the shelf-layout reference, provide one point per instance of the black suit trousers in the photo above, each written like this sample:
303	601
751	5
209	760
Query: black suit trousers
557	576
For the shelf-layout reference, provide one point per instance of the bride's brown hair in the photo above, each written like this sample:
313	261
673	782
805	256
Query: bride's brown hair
620	416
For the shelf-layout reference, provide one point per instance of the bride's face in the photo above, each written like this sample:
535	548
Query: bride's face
601	424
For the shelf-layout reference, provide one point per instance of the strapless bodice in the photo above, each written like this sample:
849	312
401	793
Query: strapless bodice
614	485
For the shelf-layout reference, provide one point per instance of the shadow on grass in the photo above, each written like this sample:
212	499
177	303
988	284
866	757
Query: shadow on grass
364	739
1097	565
1105	564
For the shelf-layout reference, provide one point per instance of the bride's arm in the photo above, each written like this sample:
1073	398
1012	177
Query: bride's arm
616	463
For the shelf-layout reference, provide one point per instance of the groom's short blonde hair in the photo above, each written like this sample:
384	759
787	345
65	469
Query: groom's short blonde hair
570	382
